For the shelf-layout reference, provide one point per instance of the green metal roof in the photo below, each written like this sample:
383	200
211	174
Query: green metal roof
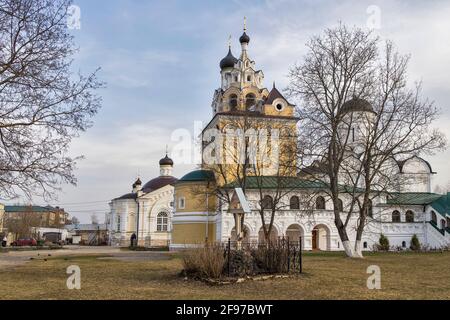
274	182
412	198
442	205
17	208
198	175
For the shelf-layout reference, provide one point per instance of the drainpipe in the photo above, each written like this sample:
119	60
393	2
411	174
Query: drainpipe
425	225
207	217
137	226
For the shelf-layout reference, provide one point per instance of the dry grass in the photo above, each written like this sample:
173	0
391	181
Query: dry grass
207	261
326	276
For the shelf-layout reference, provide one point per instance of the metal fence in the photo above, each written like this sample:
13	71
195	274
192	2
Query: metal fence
280	256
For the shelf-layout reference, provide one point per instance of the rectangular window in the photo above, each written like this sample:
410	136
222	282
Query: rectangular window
181	203
118	224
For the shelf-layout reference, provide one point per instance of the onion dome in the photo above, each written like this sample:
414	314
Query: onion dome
166	161
244	38
356	104
229	61
138	182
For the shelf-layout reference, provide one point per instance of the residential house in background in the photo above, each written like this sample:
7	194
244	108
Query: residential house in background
20	221
50	217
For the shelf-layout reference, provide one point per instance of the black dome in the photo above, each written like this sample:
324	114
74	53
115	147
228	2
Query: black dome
166	161
244	38
356	104
137	183
229	61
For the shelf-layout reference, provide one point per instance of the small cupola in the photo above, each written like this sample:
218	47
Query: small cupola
166	166
137	185
244	38
229	61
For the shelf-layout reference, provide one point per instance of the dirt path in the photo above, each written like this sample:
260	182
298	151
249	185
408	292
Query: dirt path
15	258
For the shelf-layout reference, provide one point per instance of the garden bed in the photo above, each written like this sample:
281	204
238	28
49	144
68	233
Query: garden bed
236	280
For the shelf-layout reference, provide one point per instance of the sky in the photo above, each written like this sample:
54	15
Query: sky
160	61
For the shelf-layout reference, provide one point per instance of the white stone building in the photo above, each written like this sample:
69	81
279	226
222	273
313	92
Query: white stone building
146	212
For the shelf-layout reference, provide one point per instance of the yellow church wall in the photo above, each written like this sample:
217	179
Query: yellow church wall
193	233
270	110
282	163
195	197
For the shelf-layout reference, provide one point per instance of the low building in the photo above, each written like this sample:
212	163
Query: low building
88	234
54	235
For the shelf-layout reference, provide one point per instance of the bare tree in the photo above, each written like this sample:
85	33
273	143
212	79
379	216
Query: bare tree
355	147
21	224
399	128
339	64
74	220
94	218
246	155
43	104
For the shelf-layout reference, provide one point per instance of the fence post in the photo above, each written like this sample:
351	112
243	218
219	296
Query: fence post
289	255
300	255
229	251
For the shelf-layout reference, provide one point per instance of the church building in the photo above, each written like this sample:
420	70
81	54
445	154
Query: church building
191	210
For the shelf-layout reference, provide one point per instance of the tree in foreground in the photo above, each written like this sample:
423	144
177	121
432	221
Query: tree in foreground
358	116
43	104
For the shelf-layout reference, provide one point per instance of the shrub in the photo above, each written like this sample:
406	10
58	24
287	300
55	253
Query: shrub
241	263
271	259
415	243
205	262
383	243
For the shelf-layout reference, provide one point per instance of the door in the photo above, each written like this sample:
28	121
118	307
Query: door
314	239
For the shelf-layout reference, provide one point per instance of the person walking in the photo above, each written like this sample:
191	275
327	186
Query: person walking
4	241
133	240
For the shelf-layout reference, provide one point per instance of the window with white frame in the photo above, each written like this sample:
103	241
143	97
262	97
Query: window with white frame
162	221
181	203
118	224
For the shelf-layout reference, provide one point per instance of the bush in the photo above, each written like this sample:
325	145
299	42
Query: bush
415	243
270	259
383	243
215	261
241	263
206	262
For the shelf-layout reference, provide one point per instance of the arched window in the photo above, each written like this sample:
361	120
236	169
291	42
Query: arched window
267	202
433	217
294	203
340	205
365	245
118	224
396	216
320	203
404	244
233	101
442	224
250	101
162	222
409	216
370	209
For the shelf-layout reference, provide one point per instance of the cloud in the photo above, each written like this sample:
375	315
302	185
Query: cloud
160	62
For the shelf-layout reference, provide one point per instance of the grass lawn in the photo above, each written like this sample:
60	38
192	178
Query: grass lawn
326	276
